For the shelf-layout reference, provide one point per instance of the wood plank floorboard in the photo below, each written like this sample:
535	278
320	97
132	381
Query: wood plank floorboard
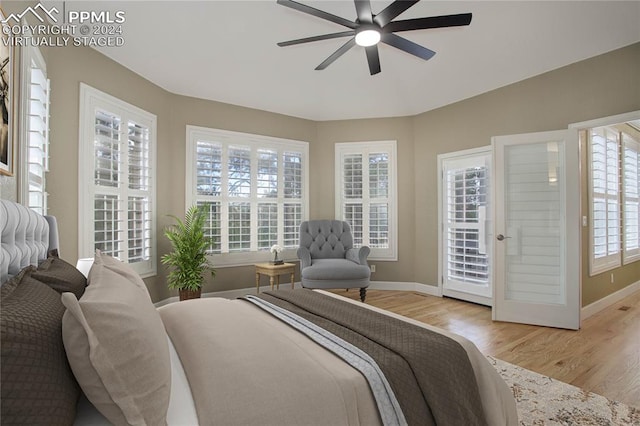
602	357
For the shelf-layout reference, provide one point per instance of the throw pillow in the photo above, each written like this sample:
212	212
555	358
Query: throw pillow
128	375
60	276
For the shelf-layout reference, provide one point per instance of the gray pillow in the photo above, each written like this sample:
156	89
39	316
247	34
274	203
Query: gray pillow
117	347
60	276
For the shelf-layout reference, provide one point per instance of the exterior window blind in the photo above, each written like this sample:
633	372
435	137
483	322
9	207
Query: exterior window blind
605	201
118	142
264	197
36	130
365	194
631	197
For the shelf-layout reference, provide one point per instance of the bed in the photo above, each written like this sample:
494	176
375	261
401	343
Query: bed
288	358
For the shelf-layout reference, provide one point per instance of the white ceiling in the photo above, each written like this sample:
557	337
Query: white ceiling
226	51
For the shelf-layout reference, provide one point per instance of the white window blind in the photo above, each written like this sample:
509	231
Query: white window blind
253	189
366	195
117	162
466	207
35	130
605	201
631	198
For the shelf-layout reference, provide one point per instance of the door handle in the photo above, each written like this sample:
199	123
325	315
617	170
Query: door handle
501	237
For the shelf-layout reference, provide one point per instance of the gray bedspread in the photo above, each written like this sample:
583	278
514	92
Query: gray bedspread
430	374
246	367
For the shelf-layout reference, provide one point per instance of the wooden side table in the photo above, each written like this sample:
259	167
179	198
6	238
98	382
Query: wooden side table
274	271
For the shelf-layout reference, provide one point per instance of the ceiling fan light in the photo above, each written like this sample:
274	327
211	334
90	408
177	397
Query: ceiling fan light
367	38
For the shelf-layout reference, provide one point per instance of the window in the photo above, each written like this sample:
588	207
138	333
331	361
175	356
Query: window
614	196
117	184
34	130
366	195
253	188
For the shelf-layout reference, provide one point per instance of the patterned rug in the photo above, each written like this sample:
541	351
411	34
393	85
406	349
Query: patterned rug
542	400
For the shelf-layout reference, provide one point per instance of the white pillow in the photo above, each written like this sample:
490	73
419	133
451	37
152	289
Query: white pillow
117	347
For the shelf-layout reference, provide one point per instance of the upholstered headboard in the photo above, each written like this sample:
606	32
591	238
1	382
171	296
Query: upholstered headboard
25	237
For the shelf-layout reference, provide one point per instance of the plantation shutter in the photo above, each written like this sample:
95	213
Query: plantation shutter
123	225
604	151
252	190
465	206
38	132
293	201
353	196
631	197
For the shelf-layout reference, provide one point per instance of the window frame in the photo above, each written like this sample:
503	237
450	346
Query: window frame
254	143
365	148
92	100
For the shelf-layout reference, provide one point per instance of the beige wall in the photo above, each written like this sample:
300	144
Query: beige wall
598	87
601	86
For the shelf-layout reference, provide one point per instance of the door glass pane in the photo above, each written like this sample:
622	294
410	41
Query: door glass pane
534	214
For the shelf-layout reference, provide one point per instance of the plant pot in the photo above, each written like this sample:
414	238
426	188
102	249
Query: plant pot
189	294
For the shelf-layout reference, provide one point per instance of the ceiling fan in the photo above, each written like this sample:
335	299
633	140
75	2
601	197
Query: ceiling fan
369	29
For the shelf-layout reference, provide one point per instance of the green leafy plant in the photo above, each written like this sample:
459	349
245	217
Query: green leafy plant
188	260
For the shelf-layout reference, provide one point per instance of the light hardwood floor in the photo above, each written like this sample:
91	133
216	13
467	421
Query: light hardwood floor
602	357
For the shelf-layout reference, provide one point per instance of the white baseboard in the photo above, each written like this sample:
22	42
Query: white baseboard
374	285
609	300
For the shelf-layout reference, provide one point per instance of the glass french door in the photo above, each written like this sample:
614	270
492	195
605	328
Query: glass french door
465	213
537	229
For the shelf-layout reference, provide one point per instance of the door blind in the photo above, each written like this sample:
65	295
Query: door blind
466	200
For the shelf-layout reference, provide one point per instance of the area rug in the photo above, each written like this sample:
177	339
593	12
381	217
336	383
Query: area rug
542	400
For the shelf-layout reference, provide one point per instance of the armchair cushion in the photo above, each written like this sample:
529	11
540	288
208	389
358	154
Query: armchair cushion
335	270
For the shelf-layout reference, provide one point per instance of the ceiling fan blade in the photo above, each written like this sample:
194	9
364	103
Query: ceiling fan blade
392	11
373	59
316	38
318	13
430	22
335	55
363	8
407	46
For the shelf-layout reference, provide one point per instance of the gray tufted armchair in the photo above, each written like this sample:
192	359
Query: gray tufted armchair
328	258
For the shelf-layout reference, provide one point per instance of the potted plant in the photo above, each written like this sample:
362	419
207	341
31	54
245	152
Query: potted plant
188	261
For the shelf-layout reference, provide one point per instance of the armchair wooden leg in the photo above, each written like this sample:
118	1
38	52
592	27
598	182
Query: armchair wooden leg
363	294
